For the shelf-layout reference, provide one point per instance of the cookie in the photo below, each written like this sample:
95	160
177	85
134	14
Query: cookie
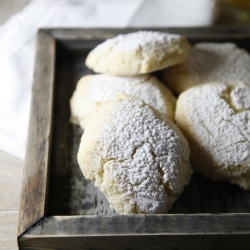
92	90
138	53
215	119
210	62
139	161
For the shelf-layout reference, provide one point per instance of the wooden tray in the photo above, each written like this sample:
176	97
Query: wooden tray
60	209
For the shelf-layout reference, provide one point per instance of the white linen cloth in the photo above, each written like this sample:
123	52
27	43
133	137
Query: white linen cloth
18	35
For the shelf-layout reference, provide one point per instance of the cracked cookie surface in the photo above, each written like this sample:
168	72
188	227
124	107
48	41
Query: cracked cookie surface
215	119
138	53
210	62
139	161
92	90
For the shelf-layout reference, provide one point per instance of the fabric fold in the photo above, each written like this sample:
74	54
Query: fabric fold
18	36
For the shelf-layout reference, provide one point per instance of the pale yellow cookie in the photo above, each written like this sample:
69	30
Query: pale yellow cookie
139	161
138	53
92	90
210	62
215	119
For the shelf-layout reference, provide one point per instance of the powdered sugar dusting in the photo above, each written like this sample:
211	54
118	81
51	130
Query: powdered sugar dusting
218	119
209	62
142	162
95	89
139	39
138	53
240	98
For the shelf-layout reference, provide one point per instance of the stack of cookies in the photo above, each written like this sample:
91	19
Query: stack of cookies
213	110
131	148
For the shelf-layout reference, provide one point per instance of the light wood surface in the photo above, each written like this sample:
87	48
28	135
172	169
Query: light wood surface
8	228
10	181
10	185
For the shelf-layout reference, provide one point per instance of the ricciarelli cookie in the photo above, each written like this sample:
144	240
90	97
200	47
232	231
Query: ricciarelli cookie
210	62
139	161
215	119
138	53
92	90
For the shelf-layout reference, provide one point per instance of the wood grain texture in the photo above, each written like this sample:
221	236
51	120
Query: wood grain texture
140	232
133	242
142	225
90	34
34	184
72	39
8	230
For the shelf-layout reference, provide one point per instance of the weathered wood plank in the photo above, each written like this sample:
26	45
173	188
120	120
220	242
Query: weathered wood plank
142	225
210	231
10	181
8	230
90	34
72	39
146	242
34	184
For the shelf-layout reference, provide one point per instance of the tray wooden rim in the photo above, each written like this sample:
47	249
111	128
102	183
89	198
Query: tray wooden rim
33	222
